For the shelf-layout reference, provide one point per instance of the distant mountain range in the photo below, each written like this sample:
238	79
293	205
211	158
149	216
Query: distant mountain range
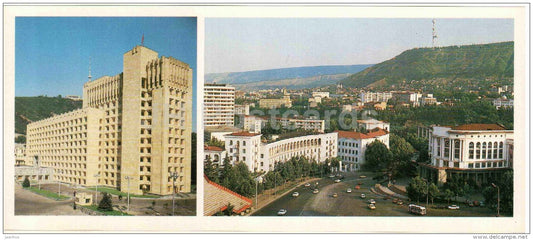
295	78
473	62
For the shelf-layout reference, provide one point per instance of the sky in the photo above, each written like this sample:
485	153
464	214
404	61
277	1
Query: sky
52	54
246	44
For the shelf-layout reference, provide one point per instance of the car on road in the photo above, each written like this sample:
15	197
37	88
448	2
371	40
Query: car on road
337	180
453	207
362	176
372	206
315	191
282	212
372	201
331	176
349	190
400	202
295	194
308	184
357	187
335	195
363	195
395	200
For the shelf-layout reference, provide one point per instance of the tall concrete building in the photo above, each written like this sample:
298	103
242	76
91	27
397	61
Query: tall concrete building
133	131
219	105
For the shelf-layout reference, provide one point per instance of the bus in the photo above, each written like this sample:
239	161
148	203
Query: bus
418	210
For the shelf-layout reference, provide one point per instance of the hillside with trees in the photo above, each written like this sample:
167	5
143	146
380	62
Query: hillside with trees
31	109
469	65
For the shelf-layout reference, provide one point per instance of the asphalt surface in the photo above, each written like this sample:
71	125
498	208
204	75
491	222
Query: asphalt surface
29	203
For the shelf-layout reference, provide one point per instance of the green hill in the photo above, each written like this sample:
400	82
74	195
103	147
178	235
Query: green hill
475	63
30	109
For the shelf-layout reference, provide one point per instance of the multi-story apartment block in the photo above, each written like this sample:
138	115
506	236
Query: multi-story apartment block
352	146
20	154
474	151
503	102
367	97
259	156
275	102
255	123
242	109
320	94
219	105
133	131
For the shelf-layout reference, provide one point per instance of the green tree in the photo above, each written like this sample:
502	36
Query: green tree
26	182
433	191
416	188
448	195
20	139
377	156
106	203
505	183
210	170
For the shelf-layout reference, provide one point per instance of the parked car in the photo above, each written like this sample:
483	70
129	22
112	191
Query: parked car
357	187
395	200
295	194
481	204
308	184
349	190
400	202
453	207
337	180
315	191
363	195
282	212
362	176
335	195
372	201
372	206
331	176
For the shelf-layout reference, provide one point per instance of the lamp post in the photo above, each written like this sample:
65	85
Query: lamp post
39	177
497	187
128	179
427	191
96	191
174	176
257	180
59	183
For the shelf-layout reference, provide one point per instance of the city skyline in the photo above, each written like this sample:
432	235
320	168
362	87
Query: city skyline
285	43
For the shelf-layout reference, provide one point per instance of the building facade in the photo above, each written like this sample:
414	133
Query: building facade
259	156
370	124
219	105
242	109
352	146
285	101
367	97
133	131
474	151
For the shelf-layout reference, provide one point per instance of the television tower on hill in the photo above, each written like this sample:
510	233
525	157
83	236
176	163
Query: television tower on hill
434	39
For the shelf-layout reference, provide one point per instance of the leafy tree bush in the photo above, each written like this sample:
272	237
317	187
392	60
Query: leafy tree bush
377	156
106	203
26	182
505	183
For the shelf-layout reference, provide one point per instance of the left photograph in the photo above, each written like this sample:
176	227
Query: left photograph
104	121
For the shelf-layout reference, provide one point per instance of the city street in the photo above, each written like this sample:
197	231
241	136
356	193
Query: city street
351	204
29	203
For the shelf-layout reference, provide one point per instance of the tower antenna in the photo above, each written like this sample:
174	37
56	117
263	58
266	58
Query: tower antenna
142	40
90	77
434	39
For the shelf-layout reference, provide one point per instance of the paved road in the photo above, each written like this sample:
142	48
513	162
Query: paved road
29	203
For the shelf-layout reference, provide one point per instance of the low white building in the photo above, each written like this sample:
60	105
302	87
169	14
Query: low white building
373	123
255	123
252	124
474	151
242	109
216	154
320	94
503	102
247	147
352	146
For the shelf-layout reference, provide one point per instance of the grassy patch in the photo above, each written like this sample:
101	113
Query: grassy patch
107	213
47	193
119	193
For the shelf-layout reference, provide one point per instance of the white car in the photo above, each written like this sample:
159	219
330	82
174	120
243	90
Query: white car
308	184
315	191
331	176
363	195
282	212
372	201
337	180
453	207
349	190
295	194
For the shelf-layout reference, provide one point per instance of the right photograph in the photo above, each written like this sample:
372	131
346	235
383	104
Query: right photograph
358	117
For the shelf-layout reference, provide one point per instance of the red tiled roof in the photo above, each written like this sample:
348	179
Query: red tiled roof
376	132
217	197
213	148
479	127
244	134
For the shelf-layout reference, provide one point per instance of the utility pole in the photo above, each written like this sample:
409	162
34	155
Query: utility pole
174	176
128	178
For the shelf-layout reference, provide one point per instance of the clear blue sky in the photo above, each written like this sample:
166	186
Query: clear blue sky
52	53
244	44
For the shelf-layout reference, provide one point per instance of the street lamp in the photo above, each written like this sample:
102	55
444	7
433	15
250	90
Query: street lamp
174	176
96	192
128	178
59	183
257	180
497	187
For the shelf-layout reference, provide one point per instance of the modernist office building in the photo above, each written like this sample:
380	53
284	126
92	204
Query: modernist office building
352	146
133	131
219	105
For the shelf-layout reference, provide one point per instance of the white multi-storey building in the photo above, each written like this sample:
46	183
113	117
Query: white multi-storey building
242	109
373	123
259	156
255	123
474	151
219	105
320	94
503	102
367	97
352	146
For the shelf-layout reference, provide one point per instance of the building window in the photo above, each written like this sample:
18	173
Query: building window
446	148
471	150
500	155
478	150
484	152
456	149
489	152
